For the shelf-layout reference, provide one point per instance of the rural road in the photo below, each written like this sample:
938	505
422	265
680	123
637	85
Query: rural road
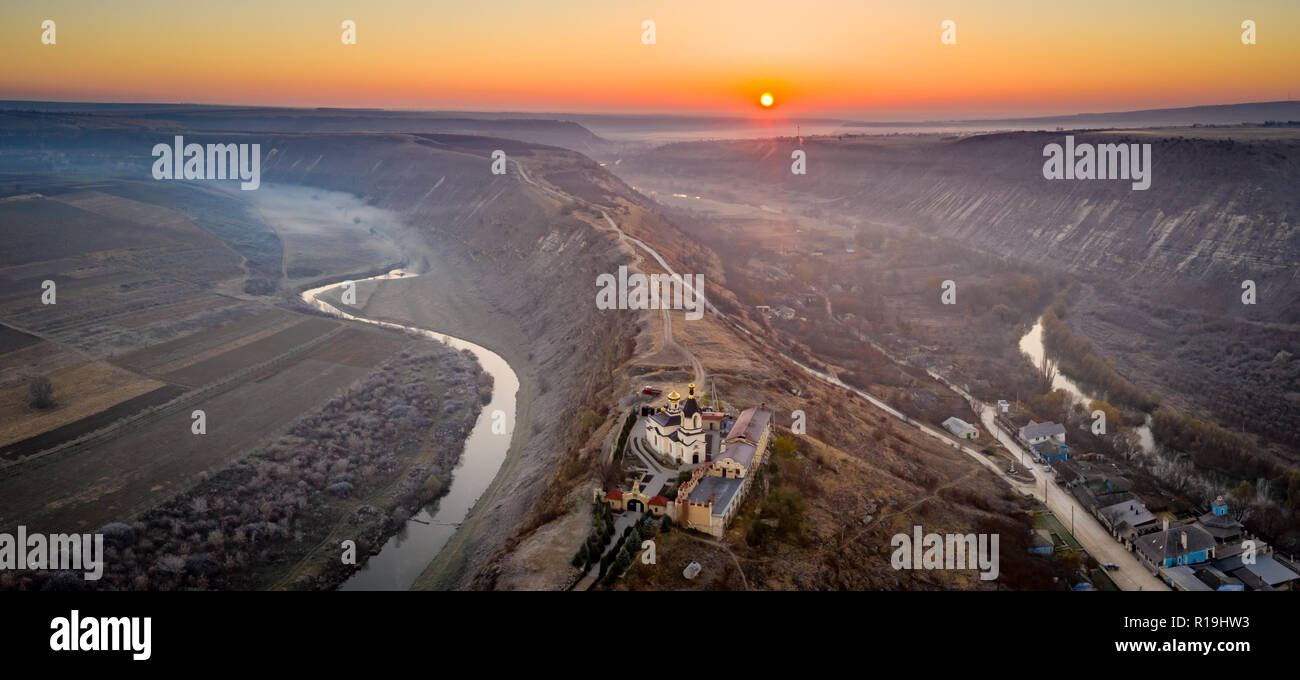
1094	538
670	341
1131	575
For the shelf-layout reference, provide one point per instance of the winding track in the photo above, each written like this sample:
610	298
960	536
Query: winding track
1131	575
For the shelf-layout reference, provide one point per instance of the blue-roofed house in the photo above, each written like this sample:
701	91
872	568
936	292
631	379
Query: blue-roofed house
1179	545
1049	452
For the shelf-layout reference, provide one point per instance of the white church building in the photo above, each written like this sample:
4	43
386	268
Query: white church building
683	431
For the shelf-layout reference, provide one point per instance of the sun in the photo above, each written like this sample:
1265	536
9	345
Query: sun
766	100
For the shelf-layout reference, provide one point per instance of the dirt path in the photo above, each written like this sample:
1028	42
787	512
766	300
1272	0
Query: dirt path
1094	539
723	547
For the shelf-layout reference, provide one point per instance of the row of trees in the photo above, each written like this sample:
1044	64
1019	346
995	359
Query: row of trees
1082	363
602	527
1216	448
613	563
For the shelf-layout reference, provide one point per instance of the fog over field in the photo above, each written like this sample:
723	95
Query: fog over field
323	231
382	302
180	297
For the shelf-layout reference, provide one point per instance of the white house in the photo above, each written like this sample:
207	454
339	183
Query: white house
1037	433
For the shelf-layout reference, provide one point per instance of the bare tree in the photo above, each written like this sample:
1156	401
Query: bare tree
40	392
1046	375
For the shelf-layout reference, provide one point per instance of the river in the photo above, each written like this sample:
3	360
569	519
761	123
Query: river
1031	343
406	555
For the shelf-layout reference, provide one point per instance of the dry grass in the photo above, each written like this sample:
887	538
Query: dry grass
80	390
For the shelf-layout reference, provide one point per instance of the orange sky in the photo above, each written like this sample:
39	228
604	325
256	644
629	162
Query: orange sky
862	58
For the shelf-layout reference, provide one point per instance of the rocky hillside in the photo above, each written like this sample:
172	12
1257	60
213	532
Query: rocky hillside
509	261
1221	207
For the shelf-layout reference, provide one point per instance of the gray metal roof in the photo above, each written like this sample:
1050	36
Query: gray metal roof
723	490
1220	526
750	424
1048	429
1163	544
1185	577
740	451
1133	512
1265	567
666	420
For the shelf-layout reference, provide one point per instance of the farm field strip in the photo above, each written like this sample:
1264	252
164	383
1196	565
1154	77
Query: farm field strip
81	390
117	478
12	339
229	346
79	307
145	418
258	351
51	438
165	312
251	319
19	365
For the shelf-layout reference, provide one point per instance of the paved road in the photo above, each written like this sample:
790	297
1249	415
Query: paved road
659	475
671	341
1093	537
1131	575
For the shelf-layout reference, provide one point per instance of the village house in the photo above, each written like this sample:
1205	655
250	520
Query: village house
1071	473
1048	452
1241	556
1039	433
1179	545
1213	552
1128	520
1260	572
1102	491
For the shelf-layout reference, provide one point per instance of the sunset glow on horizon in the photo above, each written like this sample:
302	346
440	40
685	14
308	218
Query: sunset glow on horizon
881	60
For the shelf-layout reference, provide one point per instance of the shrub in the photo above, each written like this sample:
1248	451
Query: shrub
40	392
590	421
623	435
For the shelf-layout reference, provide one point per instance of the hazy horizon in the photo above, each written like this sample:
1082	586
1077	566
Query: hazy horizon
833	59
813	116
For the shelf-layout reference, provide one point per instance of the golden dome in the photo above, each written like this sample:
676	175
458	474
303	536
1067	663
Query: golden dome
674	396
